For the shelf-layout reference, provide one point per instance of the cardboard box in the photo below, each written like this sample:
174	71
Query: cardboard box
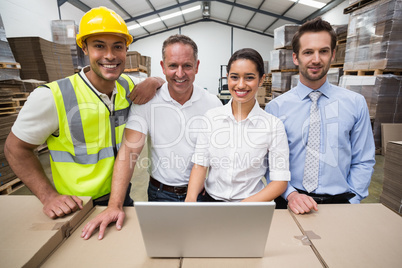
123	248
284	249
282	59
27	235
354	235
390	132
283	35
391	195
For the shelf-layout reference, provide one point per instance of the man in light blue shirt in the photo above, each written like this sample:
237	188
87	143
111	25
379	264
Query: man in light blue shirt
345	155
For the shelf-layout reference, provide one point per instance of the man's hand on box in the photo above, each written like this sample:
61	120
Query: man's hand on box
301	203
109	215
56	205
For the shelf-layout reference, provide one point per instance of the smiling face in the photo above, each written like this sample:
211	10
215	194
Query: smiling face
243	81
314	58
180	68
107	57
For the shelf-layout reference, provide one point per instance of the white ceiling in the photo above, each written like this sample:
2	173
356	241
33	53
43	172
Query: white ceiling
258	16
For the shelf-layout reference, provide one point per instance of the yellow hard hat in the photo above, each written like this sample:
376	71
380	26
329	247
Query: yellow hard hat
102	20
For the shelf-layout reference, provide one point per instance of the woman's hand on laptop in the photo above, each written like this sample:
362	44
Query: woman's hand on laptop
110	214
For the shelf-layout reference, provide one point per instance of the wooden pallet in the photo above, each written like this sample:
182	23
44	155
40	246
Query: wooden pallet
337	65
357	6
11	186
10	65
342	41
8	108
20	94
141	68
372	72
285	47
19	101
285	70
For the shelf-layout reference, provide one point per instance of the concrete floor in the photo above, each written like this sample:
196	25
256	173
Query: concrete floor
140	179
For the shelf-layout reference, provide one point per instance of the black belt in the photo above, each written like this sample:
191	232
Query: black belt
328	199
179	190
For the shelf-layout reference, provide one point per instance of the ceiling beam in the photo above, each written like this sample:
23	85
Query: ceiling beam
242	28
77	3
155	12
120	7
323	10
257	10
252	17
198	21
286	11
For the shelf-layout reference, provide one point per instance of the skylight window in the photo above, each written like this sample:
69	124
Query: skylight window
310	3
166	17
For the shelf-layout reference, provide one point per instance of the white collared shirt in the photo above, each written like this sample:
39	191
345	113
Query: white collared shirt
172	131
238	152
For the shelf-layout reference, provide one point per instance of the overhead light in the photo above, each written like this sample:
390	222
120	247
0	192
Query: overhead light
166	17
310	3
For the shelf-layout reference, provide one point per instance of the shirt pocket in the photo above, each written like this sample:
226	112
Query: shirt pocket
338	134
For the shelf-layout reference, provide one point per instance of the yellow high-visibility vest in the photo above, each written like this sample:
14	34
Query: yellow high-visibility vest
82	155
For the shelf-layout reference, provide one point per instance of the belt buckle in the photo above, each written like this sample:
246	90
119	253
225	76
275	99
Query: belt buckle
180	190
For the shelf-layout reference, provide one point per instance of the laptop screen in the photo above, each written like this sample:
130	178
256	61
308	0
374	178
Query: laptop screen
228	229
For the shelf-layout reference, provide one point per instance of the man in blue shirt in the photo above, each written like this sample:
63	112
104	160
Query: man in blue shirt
331	143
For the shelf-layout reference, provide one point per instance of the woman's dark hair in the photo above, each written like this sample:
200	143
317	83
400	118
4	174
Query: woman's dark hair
248	54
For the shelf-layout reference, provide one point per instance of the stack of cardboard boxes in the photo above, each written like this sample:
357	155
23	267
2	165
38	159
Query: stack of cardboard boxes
392	187
41	59
64	32
282	66
264	93
373	61
13	94
9	68
138	65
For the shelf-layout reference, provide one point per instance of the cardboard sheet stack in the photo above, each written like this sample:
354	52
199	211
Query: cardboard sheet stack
392	187
133	60
383	94
9	68
138	65
41	59
373	40
341	34
264	94
282	66
282	59
64	32
6	174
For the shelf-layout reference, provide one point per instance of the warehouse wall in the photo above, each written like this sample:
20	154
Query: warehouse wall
214	45
28	17
335	16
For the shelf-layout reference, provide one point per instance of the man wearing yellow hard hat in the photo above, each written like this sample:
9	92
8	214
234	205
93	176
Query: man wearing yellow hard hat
81	118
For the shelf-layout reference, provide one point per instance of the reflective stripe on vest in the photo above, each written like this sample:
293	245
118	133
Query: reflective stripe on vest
117	118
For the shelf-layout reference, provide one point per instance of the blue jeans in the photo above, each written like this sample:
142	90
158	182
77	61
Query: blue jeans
156	194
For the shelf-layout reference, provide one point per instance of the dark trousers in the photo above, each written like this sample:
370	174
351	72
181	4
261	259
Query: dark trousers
207	198
281	203
104	200
159	192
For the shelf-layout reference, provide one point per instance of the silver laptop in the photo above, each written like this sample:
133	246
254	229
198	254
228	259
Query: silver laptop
176	229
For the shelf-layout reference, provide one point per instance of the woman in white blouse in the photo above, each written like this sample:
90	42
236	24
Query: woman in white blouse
240	141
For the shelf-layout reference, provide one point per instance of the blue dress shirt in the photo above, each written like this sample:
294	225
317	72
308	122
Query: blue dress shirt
347	150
